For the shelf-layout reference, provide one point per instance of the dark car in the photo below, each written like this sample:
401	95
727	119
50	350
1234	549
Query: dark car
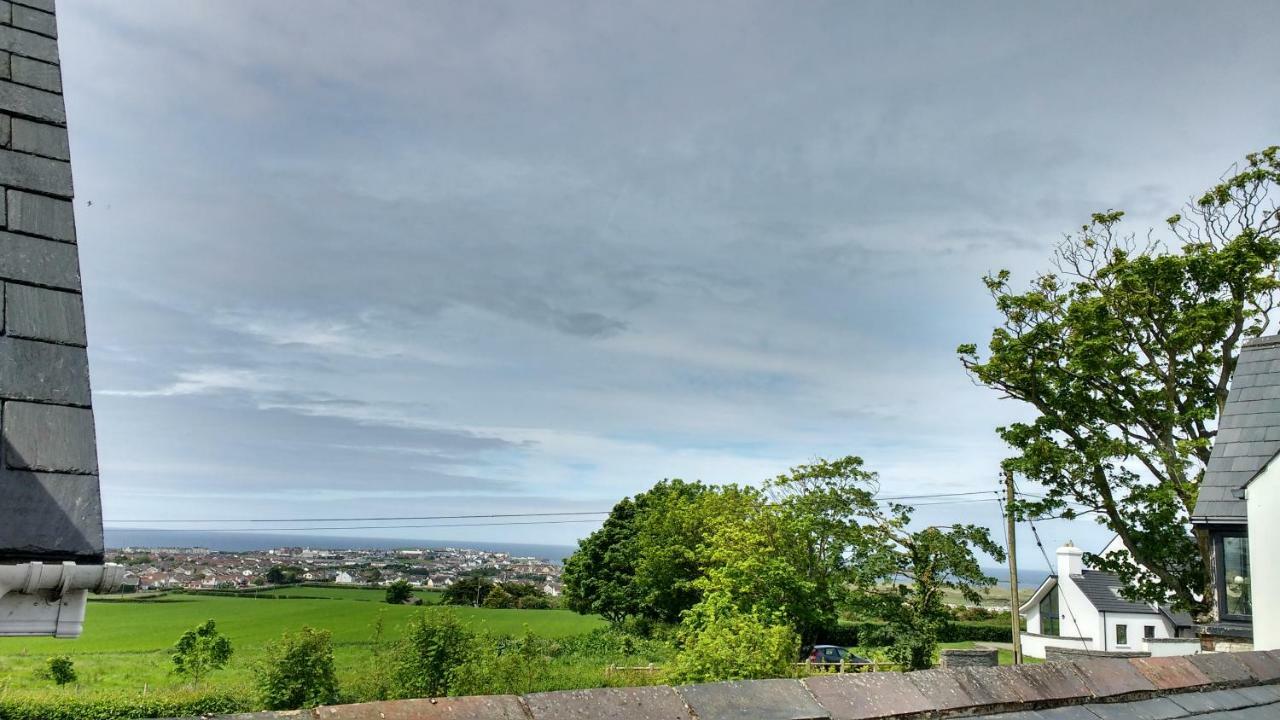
830	655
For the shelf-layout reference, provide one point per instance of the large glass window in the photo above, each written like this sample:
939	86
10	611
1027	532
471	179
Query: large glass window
1233	577
1049	617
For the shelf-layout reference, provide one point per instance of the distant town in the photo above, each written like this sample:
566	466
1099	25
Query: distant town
196	568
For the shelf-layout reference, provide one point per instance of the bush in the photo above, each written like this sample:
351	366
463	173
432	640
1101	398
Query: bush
721	643
200	651
297	671
61	670
399	592
121	705
426	661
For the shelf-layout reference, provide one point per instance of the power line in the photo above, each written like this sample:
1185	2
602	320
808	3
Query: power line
392	527
1053	571
373	519
484	516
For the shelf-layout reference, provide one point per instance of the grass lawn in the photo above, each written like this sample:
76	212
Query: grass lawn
126	644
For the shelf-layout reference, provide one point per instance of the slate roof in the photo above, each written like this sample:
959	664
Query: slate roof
1213	686
1102	589
1248	433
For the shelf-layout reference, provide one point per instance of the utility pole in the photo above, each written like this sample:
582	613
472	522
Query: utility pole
1013	568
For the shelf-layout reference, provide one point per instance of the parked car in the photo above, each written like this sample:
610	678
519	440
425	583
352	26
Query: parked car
830	655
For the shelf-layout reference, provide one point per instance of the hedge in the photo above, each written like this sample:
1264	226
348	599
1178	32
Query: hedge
871	634
70	705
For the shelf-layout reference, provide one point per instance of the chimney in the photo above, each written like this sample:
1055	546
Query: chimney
1070	560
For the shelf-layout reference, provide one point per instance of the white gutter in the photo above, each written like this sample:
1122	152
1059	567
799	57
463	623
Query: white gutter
39	599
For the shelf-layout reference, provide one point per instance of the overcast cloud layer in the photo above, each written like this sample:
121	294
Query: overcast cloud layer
429	258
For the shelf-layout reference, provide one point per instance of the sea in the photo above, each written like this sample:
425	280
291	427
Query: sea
245	542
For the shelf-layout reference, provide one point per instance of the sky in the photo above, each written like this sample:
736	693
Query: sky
430	258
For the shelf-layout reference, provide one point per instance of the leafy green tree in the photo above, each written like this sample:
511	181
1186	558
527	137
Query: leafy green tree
1125	352
499	598
471	590
429	659
644	561
399	592
60	669
791	552
721	642
200	651
902	575
297	671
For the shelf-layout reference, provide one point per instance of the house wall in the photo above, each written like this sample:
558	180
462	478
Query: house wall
1263	500
1035	645
1136	622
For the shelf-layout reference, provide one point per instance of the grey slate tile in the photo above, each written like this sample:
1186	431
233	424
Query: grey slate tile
21	42
1109	678
474	707
39	262
1222	668
1068	712
1153	709
42	372
41	314
41	215
857	696
45	5
31	172
35	73
50	517
37	21
49	438
31	102
40	139
635	703
941	689
1202	702
753	700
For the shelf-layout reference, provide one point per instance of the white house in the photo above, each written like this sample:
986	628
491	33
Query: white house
1262	498
1237	508
344	578
1082	609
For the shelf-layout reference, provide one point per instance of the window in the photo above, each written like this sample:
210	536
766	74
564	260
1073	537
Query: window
1235	602
1122	635
1148	631
1049	618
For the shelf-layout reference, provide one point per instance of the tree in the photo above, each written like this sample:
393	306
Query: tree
472	590
297	671
200	651
399	592
902	575
1125	353
644	561
428	660
61	669
721	642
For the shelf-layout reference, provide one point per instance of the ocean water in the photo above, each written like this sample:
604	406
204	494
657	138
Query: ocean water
243	542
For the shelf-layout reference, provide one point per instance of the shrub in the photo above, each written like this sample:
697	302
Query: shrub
722	643
426	661
297	671
399	592
200	651
61	670
119	705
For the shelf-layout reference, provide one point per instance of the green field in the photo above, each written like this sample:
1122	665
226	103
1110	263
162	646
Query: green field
126	642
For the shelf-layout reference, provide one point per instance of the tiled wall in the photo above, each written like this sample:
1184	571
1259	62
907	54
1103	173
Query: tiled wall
50	507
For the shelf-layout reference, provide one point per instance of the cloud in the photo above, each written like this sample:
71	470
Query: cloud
439	253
